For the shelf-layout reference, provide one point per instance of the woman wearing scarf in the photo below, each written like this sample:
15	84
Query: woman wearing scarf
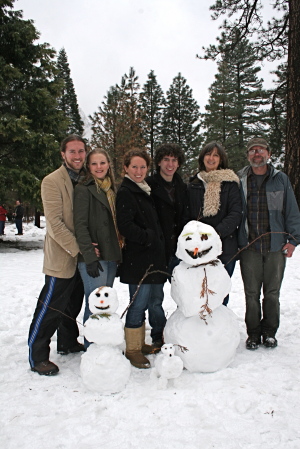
96	226
214	198
143	249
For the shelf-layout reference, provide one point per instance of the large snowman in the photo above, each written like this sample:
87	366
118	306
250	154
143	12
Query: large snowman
103	366
199	284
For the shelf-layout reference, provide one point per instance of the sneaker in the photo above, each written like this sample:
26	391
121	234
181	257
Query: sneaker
269	342
78	347
45	368
253	342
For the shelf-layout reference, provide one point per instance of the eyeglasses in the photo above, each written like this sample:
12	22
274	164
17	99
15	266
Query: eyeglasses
259	151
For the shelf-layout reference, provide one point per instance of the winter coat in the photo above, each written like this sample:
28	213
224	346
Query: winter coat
144	241
94	223
170	215
19	212
3	213
284	215
60	247
227	214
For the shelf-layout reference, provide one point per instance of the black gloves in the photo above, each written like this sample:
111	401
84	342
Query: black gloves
93	268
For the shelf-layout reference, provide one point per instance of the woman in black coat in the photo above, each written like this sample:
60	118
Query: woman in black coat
144	247
214	198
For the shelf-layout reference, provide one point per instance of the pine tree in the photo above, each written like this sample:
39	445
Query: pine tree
181	122
116	126
31	125
235	111
152	104
68	99
279	38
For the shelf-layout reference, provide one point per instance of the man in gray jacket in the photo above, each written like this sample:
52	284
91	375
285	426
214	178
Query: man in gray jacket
61	298
268	234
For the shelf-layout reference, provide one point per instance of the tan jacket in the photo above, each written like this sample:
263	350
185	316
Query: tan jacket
60	248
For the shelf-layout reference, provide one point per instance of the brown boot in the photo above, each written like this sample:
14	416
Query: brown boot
133	348
148	349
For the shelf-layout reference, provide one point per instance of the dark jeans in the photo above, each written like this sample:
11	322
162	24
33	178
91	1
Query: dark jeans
150	296
58	298
19	225
262	271
2	226
229	267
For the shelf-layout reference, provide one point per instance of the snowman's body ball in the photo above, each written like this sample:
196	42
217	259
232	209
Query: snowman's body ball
192	286
211	343
104	369
104	329
167	364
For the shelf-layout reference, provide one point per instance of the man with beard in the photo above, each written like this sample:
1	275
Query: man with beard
268	234
61	298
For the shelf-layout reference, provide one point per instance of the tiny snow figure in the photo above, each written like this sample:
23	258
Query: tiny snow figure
167	365
103	367
199	284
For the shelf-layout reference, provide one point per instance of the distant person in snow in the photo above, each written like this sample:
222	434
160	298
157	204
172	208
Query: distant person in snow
269	233
18	215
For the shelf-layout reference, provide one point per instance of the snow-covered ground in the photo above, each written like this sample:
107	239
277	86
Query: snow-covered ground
252	404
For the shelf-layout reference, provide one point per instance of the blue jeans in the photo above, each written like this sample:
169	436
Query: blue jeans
105	278
150	296
230	269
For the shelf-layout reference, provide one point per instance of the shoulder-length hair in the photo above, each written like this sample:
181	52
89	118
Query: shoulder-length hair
208	148
110	172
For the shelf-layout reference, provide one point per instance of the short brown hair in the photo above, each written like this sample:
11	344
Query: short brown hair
168	149
136	152
208	148
71	138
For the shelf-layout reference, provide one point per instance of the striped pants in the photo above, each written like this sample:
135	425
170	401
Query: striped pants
58	298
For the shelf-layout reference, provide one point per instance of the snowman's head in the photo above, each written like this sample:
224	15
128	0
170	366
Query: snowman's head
168	350
198	243
103	300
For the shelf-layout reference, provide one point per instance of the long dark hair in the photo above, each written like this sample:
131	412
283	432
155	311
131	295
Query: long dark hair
208	148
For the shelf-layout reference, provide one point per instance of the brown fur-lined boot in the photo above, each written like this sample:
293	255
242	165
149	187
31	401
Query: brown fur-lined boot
133	338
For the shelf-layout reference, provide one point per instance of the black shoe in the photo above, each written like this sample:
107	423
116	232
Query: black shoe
253	342
45	368
76	348
269	342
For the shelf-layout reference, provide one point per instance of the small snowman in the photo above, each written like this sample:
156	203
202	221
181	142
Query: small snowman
199	284
103	366
167	365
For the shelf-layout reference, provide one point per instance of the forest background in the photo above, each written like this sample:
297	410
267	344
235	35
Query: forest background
39	106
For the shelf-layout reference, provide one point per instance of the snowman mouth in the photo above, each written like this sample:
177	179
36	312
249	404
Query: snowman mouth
102	308
199	254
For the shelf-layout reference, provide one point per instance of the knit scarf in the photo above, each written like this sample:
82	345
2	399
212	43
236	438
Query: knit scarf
142	185
105	186
212	182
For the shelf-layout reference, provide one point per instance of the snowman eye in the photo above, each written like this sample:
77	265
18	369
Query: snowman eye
98	295
188	238
204	237
106	295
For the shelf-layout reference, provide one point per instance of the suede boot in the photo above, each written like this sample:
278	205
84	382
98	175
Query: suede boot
133	338
148	349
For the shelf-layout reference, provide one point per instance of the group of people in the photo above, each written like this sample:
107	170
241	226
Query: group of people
94	232
17	215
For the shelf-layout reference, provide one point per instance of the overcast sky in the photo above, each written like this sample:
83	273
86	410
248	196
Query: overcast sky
103	39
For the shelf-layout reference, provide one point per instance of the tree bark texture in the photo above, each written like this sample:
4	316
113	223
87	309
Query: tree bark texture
292	157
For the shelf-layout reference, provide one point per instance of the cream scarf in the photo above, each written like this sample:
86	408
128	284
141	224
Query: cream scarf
212	182
142	185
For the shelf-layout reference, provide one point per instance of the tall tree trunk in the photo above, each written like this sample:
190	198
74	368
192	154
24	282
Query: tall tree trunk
292	158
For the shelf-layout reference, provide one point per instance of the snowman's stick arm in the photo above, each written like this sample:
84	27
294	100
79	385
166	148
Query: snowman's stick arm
59	311
147	273
259	237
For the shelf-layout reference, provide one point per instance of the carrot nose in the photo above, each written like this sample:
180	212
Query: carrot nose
195	251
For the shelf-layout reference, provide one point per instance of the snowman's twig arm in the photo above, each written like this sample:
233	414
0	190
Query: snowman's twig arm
148	273
62	313
259	237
